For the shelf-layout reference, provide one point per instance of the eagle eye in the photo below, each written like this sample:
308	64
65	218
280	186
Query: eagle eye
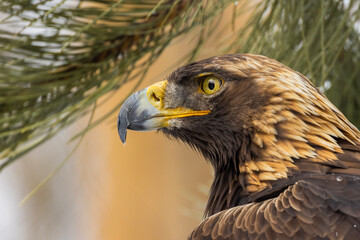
211	84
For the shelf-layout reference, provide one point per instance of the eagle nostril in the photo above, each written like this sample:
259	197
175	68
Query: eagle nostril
154	97
155	94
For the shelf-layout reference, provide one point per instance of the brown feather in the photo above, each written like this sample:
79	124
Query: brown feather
286	160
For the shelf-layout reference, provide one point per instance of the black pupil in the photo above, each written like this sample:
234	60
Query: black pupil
211	84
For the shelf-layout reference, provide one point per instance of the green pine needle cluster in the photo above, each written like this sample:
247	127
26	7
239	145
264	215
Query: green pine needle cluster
58	57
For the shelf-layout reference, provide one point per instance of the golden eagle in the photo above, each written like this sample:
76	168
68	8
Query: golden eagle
286	160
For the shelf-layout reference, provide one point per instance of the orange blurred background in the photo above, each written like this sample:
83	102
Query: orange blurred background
151	188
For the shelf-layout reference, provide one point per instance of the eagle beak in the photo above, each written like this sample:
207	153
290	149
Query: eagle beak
145	111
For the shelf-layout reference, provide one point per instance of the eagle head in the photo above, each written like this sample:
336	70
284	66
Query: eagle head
257	121
210	105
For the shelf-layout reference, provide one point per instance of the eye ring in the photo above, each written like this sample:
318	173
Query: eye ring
211	84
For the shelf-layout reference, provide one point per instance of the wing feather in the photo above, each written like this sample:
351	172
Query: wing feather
316	207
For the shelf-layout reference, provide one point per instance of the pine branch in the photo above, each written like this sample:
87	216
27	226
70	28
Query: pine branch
57	58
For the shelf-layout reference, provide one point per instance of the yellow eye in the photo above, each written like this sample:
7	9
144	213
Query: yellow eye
211	85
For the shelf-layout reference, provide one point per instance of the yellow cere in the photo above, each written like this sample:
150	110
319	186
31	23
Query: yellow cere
155	96
211	84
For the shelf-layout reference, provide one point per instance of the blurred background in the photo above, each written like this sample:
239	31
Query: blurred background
151	187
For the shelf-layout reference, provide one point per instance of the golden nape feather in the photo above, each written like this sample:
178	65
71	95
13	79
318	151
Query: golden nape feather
286	160
298	128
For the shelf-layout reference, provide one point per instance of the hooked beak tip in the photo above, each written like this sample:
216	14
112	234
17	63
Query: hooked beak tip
122	124
122	136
